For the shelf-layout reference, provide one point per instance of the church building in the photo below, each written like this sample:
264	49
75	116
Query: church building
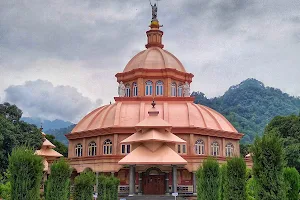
153	138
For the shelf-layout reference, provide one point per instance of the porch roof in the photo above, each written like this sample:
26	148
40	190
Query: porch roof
163	155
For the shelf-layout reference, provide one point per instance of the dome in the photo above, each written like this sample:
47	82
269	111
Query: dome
154	58
178	114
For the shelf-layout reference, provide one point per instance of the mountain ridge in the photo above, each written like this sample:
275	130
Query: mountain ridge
250	105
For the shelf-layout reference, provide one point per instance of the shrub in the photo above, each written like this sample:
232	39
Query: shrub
107	188
268	163
84	186
209	180
250	189
236	179
58	184
26	171
223	181
292	181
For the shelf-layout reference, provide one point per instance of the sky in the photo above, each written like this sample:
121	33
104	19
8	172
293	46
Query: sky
58	59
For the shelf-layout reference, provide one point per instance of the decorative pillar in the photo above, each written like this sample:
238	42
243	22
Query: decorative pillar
167	183
174	184
140	183
223	148
194	184
112	174
84	148
208	146
192	145
131	180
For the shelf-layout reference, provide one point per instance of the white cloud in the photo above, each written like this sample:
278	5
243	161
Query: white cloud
42	99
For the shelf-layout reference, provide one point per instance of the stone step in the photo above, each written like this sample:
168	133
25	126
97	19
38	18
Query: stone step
152	197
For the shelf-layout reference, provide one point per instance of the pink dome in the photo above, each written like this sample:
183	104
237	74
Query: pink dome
154	58
178	114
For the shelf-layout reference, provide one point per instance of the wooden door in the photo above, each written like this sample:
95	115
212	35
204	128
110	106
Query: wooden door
154	184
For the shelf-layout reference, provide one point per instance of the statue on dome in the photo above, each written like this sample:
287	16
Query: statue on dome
121	89
154	11
186	89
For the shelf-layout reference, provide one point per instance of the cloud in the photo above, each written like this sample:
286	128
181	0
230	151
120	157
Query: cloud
42	99
84	43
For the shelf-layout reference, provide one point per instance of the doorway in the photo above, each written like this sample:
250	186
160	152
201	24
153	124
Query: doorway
154	184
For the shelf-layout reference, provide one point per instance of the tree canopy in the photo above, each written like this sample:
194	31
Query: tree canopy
14	132
288	129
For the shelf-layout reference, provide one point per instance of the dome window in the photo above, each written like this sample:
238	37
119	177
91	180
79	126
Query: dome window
199	147
159	88
92	149
229	150
148	88
107	147
180	91
173	89
127	90
135	89
215	149
78	150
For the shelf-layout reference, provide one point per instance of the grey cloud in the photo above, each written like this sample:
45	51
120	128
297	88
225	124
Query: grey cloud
42	99
221	41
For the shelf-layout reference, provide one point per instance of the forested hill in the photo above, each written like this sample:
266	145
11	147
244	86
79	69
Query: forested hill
60	133
250	106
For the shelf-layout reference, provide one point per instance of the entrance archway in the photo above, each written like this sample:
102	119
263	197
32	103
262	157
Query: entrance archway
154	182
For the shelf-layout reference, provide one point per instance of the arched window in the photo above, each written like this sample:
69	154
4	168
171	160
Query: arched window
92	149
199	147
135	89
180	91
159	88
107	147
78	150
173	89
215	149
127	90
229	150
148	88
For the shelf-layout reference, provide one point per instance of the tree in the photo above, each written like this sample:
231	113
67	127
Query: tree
108	188
10	112
236	179
292	181
208	180
84	186
14	133
268	164
58	184
251	189
223	181
288	128
26	171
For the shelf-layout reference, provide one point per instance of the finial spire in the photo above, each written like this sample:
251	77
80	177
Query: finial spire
154	10
41	128
153	103
154	34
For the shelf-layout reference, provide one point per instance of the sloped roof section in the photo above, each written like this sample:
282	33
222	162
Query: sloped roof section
163	155
153	135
